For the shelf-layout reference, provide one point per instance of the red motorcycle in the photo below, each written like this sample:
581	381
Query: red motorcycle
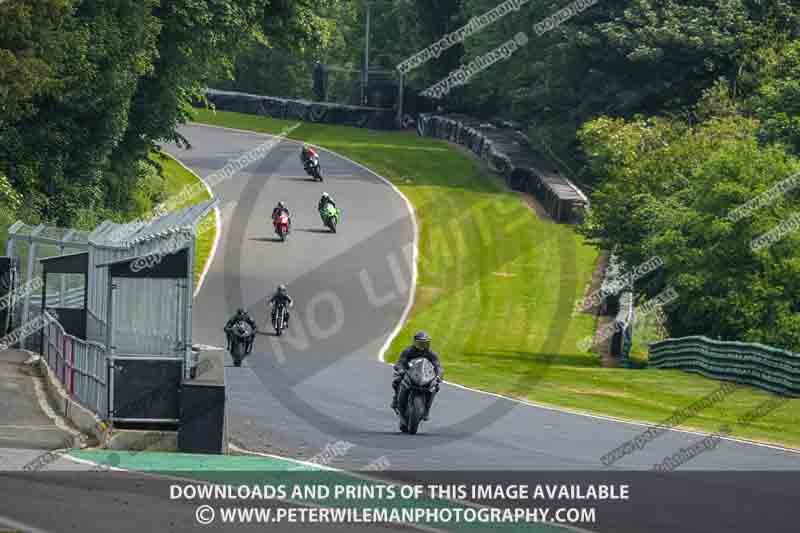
281	223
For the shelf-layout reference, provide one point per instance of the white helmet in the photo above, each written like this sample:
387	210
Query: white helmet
326	195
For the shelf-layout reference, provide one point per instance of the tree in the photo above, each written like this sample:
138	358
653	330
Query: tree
666	188
89	87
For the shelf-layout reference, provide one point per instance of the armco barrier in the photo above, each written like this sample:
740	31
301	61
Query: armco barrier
509	153
753	364
326	113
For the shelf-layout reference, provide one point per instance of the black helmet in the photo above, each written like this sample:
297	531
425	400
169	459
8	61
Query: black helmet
422	341
282	288
240	311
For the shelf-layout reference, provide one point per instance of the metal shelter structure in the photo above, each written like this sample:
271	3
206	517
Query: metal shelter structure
120	292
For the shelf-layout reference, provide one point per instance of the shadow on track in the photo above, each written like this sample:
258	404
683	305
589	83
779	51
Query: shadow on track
266	239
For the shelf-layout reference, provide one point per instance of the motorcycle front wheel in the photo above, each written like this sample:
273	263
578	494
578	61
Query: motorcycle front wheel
416	409
238	353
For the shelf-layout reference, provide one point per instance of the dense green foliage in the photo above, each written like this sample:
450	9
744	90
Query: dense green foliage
89	87
10	201
666	186
336	37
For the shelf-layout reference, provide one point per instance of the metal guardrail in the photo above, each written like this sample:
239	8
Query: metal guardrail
752	364
509	153
307	111
80	366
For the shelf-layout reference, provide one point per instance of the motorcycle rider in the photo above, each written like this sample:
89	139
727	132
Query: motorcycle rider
241	315
307	154
324	200
420	348
280	209
281	296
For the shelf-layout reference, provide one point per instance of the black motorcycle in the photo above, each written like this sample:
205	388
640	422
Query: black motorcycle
414	391
241	334
280	321
312	168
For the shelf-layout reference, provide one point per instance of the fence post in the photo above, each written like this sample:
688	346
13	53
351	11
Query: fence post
49	362
72	370
64	360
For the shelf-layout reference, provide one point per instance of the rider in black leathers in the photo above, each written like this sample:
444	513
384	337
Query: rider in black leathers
420	348
281	296
325	199
241	314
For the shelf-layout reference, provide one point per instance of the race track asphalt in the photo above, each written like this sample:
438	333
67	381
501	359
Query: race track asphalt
323	382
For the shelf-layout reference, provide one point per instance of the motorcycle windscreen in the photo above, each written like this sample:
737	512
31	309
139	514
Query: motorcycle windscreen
421	371
242	329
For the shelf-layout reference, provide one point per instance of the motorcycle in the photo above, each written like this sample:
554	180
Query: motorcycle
281	223
312	168
330	216
280	322
241	334
418	383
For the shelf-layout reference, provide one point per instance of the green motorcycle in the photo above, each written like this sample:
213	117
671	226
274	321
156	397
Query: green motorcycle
330	216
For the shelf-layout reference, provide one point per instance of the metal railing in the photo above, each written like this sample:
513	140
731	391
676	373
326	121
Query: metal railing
79	365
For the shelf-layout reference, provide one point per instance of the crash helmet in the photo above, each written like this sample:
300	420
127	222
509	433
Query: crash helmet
282	289
240	311
326	195
422	341
282	205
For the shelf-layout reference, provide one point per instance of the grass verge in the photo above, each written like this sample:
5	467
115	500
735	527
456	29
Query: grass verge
496	289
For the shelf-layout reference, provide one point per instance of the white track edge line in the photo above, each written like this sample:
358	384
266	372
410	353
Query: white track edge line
20	526
516	400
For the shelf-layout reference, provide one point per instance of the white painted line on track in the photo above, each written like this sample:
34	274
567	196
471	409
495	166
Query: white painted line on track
19	526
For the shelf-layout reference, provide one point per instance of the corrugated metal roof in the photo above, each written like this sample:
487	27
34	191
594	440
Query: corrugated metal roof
52	234
114	235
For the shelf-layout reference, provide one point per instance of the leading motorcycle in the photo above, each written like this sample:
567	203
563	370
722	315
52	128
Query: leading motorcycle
418	383
241	334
